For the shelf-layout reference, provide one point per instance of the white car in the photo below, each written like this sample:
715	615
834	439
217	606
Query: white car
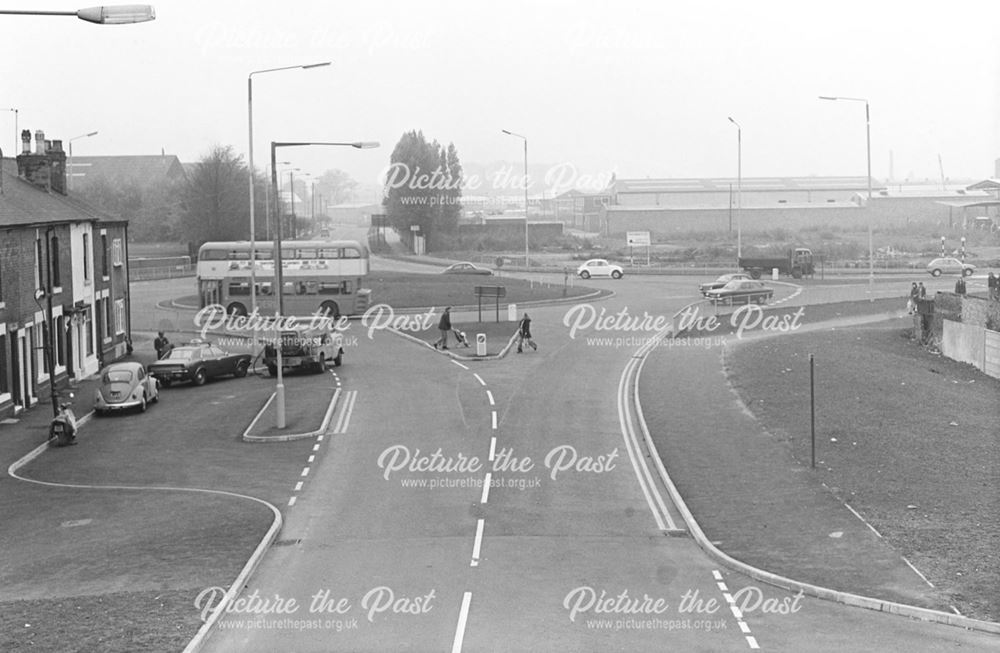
950	265
598	267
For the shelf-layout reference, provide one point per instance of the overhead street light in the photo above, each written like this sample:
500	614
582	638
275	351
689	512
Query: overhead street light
253	224
279	282
103	15
739	190
868	146
69	164
17	135
525	139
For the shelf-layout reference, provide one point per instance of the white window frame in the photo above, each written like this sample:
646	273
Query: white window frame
119	316
116	252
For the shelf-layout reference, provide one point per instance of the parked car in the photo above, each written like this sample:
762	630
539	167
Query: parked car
305	350
741	291
950	265
466	268
721	281
598	267
198	362
123	386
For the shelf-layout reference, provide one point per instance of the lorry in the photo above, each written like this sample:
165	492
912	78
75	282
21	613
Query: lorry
308	350
796	263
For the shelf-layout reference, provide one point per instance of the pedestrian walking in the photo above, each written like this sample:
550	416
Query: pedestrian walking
911	303
444	326
524	334
161	345
923	291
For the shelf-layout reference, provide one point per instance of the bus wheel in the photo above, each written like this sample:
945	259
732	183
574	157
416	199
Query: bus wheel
272	370
330	309
237	309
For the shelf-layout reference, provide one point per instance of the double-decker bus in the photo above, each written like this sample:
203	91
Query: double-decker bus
318	275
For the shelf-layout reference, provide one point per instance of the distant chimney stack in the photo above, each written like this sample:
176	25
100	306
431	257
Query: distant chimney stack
46	167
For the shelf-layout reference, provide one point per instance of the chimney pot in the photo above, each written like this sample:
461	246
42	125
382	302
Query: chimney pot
26	141
39	142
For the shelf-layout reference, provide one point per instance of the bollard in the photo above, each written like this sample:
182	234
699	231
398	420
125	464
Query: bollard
774	274
480	344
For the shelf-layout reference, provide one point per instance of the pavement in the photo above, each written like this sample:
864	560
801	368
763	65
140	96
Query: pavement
747	494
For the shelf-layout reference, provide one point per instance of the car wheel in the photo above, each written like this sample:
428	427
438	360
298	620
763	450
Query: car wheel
967	272
200	376
338	359
142	404
241	369
935	273
584	275
272	370
615	274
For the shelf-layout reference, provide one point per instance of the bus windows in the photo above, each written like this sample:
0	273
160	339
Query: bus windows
288	288
239	255
306	254
329	288
350	252
239	288
264	288
329	253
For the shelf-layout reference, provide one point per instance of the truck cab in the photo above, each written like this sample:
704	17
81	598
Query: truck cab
310	349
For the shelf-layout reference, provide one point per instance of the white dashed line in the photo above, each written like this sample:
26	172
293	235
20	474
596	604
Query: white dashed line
316	447
489	395
494	420
917	571
486	488
477	545
291	502
463	617
493	448
305	472
737	613
311	459
298	486
459	364
480	379
863	520
319	438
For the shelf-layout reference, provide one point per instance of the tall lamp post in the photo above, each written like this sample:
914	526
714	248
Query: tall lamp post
279	282
868	147
253	253
69	165
739	190
106	15
525	139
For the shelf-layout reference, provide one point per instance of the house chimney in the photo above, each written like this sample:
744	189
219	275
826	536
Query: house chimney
46	167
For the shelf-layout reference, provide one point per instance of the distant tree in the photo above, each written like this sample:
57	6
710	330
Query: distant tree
423	187
216	198
153	210
336	187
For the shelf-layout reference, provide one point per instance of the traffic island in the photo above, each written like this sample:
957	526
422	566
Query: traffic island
310	400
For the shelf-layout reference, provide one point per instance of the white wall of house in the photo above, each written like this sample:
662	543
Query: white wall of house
83	326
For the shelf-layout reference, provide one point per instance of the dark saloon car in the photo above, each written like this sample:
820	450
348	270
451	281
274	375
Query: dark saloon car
741	291
198	362
466	268
722	281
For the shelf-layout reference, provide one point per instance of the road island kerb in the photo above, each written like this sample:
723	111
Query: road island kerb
777	580
258	432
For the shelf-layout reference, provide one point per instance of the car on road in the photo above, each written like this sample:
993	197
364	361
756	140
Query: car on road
722	281
198	362
741	291
466	268
950	265
123	386
308	350
599	267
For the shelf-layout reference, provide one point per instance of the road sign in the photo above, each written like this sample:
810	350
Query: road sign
638	239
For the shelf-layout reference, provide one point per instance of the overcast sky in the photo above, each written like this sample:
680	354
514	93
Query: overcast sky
642	89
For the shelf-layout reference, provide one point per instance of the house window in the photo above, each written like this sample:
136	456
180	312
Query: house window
105	255
39	264
116	251
119	316
60	326
89	318
4	387
54	260
86	257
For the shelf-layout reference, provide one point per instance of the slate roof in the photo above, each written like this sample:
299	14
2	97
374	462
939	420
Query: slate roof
710	184
152	168
23	203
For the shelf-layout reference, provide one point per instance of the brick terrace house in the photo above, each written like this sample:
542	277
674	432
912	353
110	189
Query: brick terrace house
59	249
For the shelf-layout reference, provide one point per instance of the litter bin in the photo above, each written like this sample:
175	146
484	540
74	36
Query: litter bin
480	344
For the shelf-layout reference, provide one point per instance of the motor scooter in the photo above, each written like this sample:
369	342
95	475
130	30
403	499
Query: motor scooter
62	428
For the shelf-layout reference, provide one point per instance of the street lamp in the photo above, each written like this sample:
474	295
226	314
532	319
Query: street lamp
253	235
104	15
69	165
525	139
868	146
279	282
739	190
